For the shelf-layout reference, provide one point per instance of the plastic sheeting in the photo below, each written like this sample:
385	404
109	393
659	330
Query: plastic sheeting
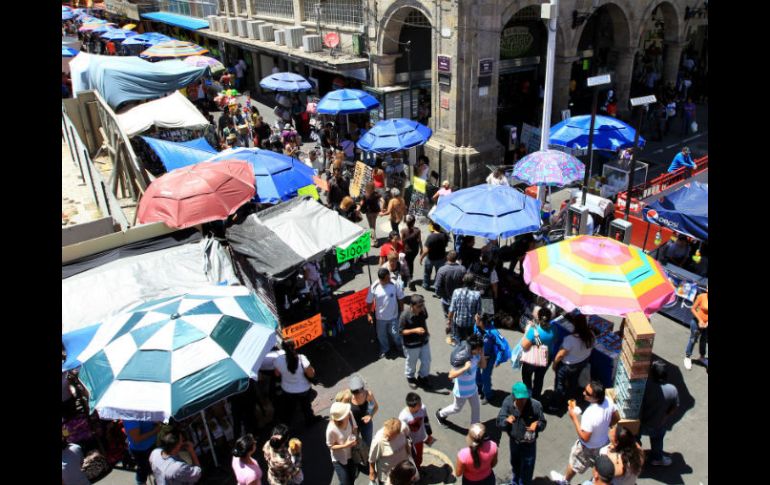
121	79
277	241
91	296
174	111
175	155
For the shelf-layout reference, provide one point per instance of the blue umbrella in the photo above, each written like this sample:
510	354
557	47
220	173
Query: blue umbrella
489	211
103	29
347	101
684	210
69	51
118	34
66	15
609	133
148	38
286	82
393	135
278	176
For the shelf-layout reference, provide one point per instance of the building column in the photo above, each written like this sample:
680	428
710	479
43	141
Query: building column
624	70
384	69
227	8
299	12
562	74
671	58
464	114
248	10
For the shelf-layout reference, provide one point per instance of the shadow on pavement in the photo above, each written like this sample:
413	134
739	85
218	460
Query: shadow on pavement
671	474
686	401
435	474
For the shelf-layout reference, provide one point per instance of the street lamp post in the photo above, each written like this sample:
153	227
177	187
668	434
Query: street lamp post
551	12
641	102
409	64
593	82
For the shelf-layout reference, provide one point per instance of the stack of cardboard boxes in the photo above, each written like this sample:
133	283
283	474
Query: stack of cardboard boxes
633	369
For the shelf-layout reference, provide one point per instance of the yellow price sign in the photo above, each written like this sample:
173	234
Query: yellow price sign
308	190
419	184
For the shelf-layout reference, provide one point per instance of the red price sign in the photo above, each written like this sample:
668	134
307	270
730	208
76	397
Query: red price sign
304	331
354	306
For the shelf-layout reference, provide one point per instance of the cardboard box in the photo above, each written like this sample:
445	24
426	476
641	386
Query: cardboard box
632	425
640	326
636	354
635	370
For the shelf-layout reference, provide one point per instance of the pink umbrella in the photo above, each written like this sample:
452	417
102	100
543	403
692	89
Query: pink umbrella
199	193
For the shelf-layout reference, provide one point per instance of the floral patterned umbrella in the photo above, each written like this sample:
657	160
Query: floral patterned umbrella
549	167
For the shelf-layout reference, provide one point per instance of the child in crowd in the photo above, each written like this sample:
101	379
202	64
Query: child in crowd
415	415
295	450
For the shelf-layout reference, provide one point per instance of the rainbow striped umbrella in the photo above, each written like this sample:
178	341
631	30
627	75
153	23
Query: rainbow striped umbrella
598	276
174	48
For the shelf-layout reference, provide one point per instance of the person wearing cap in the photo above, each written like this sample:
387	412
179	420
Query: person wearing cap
592	430
414	331
396	209
386	303
340	438
444	190
682	159
394	245
465	389
364	406
604	472
522	418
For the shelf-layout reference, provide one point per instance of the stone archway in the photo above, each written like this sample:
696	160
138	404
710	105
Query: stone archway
660	43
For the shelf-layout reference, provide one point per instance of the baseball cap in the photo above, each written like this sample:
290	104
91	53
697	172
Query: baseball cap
356	383
605	468
520	391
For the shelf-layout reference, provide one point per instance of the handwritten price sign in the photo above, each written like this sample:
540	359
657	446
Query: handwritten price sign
353	306
304	331
359	247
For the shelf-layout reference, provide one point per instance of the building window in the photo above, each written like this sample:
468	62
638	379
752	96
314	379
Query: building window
335	12
273	8
192	8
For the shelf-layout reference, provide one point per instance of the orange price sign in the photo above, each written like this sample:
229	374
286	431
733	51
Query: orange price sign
304	331
354	306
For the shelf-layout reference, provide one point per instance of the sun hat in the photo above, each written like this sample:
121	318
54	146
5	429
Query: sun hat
339	411
520	391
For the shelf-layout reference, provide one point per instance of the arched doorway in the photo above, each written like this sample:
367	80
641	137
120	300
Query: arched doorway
659	30
605	32
523	45
408	35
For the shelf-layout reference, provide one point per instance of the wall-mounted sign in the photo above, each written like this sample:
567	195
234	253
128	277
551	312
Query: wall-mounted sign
444	64
486	67
444	102
444	79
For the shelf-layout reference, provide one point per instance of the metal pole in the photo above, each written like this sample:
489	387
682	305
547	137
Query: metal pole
208	436
590	145
633	163
409	62
545	130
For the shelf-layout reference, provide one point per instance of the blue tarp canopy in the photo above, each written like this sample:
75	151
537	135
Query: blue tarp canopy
178	20
121	79
686	211
175	155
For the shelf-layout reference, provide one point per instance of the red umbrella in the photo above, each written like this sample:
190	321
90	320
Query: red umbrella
199	193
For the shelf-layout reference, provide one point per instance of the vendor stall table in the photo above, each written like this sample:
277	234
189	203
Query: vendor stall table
687	285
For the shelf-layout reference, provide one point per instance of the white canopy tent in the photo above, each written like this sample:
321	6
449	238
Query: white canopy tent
173	111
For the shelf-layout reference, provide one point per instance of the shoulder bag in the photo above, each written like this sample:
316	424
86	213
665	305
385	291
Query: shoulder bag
537	355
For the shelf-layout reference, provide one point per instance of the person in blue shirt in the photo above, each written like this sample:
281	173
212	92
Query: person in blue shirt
484	376
682	159
141	440
546	333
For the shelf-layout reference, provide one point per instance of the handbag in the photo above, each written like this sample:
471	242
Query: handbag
537	355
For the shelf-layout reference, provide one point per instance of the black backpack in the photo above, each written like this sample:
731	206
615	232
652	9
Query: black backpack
460	354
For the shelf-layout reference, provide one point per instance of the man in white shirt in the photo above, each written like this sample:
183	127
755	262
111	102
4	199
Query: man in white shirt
386	303
592	431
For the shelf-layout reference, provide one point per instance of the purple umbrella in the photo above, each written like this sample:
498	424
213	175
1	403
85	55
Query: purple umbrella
549	167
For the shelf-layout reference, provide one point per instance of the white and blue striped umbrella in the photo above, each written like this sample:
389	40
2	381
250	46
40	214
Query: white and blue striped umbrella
174	356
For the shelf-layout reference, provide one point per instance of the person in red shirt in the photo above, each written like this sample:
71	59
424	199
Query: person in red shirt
394	244
111	48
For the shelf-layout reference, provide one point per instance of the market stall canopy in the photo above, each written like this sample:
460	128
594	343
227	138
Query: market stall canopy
95	287
597	276
121	79
489	211
173	111
685	211
147	38
173	357
201	61
394	135
609	133
278	176
174	155
118	34
346	101
172	49
279	240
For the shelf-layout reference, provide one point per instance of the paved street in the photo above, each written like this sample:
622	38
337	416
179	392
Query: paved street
335	360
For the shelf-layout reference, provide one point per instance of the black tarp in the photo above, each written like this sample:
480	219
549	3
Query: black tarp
266	252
